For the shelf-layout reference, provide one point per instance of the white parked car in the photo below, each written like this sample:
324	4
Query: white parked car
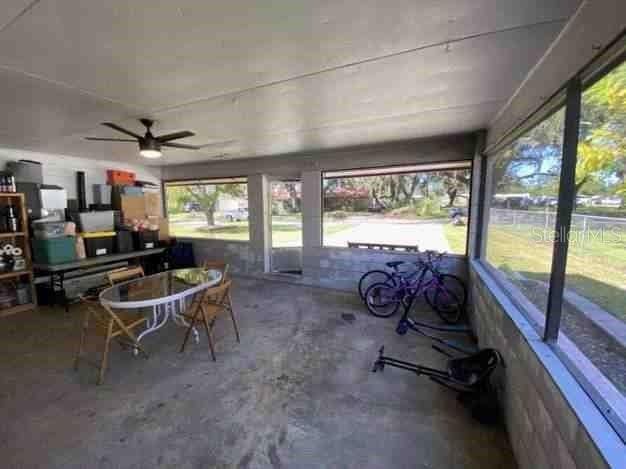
238	214
607	201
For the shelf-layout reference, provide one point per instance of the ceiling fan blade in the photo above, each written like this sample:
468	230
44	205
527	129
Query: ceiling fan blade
175	136
121	129
180	145
111	139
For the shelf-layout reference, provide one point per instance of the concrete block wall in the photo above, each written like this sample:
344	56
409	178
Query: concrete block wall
544	428
243	260
336	268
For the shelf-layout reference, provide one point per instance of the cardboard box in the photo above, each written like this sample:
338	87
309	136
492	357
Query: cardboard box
164	229
153	203
133	207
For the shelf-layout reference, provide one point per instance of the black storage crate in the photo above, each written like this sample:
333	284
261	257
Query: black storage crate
100	246
124	242
146	239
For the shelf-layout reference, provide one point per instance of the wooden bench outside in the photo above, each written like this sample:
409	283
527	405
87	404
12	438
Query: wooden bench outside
383	247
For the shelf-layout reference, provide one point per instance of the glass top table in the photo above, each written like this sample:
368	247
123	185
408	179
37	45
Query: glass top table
167	294
159	289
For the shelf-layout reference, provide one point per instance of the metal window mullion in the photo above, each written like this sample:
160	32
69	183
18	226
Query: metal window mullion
482	203
565	207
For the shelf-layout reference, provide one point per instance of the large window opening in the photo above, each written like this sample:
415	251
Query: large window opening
524	186
587	323
594	306
424	206
209	209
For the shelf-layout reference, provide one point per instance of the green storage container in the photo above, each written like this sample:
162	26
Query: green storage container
54	250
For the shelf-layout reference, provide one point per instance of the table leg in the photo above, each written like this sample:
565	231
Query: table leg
177	309
62	287
156	323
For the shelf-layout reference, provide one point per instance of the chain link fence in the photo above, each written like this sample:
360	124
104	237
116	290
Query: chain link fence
585	226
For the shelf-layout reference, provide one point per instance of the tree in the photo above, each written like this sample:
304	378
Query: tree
207	195
176	198
602	143
533	161
454	182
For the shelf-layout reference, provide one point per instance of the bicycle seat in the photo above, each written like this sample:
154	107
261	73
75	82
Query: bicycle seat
474	370
394	264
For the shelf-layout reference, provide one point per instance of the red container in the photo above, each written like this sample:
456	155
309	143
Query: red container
117	177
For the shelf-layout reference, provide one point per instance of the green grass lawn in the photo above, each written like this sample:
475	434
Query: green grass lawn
235	231
282	233
596	267
456	236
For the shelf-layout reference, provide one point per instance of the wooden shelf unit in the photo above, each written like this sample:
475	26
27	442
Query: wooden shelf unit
17	234
19	203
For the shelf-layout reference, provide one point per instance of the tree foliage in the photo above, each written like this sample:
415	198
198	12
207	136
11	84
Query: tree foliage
532	162
391	191
204	196
602	143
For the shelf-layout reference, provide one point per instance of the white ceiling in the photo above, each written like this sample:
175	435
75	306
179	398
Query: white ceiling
261	78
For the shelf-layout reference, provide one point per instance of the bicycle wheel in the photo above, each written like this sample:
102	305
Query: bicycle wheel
447	298
372	277
382	300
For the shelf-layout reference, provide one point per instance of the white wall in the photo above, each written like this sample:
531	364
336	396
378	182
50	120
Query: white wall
437	149
61	169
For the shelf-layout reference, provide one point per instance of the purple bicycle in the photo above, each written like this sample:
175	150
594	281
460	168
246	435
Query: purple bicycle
445	293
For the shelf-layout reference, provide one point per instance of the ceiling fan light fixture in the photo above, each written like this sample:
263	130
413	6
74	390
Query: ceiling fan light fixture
148	153
149	145
149	148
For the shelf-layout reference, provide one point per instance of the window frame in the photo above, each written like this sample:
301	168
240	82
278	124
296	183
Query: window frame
427	167
569	95
197	181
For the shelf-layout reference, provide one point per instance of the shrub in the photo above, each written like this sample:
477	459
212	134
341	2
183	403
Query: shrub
339	215
428	207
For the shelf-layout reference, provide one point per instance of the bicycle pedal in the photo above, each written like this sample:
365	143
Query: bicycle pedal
402	328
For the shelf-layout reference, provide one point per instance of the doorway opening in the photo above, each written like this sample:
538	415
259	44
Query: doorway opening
286	226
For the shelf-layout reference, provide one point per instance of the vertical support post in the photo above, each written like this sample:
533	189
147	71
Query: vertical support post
260	235
567	195
312	208
487	192
477	198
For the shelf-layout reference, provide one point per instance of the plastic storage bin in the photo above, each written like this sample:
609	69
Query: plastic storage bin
99	244
146	239
49	230
115	177
93	222
26	171
54	250
132	191
124	242
102	194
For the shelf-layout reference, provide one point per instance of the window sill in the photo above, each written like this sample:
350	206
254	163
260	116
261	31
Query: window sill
208	240
395	253
603	435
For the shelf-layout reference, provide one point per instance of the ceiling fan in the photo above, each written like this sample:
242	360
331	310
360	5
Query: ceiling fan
149	145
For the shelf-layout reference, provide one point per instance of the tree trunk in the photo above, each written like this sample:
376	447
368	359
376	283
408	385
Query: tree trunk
452	193
209	213
393	190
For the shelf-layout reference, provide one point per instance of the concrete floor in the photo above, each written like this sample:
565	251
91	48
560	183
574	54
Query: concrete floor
297	392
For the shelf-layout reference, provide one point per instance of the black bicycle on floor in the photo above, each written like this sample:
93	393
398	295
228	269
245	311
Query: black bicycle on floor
468	375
